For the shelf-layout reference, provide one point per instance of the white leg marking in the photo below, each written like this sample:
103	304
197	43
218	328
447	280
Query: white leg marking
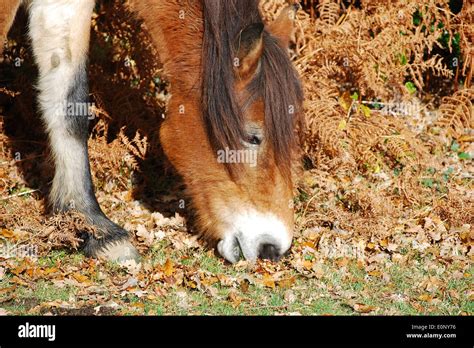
59	30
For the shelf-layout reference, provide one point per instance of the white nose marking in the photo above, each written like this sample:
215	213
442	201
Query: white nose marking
250	230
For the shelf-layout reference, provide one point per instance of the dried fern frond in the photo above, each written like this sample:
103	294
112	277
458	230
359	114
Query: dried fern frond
329	11
368	160
324	129
399	149
270	9
137	146
463	24
457	113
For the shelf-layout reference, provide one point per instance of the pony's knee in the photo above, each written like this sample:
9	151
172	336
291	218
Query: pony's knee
60	32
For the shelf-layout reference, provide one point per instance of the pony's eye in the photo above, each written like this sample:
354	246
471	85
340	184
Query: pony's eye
254	136
254	139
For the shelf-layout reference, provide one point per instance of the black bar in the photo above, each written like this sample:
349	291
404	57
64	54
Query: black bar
241	331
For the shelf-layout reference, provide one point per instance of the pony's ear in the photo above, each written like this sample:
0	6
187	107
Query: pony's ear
249	48
283	27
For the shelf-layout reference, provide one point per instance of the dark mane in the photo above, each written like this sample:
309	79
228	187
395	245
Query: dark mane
276	82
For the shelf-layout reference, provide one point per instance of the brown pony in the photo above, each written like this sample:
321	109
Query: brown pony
230	125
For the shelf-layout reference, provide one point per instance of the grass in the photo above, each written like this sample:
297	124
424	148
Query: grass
335	292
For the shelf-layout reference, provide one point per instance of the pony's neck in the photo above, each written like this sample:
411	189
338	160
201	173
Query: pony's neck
176	27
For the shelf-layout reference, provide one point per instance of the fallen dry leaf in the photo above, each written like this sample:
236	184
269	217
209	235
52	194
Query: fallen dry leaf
417	306
244	285
375	273
234	299
470	295
145	235
19	281
110	304
371	246
392	247
59	283
227	281
49	271
190	283
318	270
80	277
208	281
268	281
425	297
363	308
34	272
182	299
286	283
20	268
7	233
168	268
308	265
342	262
289	296
7	290
139	305
130	283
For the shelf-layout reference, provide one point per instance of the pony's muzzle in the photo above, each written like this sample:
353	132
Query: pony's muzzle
255	236
232	249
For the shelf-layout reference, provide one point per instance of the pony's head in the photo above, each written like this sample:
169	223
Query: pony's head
231	132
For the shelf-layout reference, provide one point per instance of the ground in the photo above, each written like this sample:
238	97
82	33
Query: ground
384	219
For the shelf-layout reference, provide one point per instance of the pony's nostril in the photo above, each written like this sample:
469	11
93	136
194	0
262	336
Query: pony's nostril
269	251
229	249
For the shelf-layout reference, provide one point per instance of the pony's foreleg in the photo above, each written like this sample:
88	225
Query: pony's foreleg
59	32
8	10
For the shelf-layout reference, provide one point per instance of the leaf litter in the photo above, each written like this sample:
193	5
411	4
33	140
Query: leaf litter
373	233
